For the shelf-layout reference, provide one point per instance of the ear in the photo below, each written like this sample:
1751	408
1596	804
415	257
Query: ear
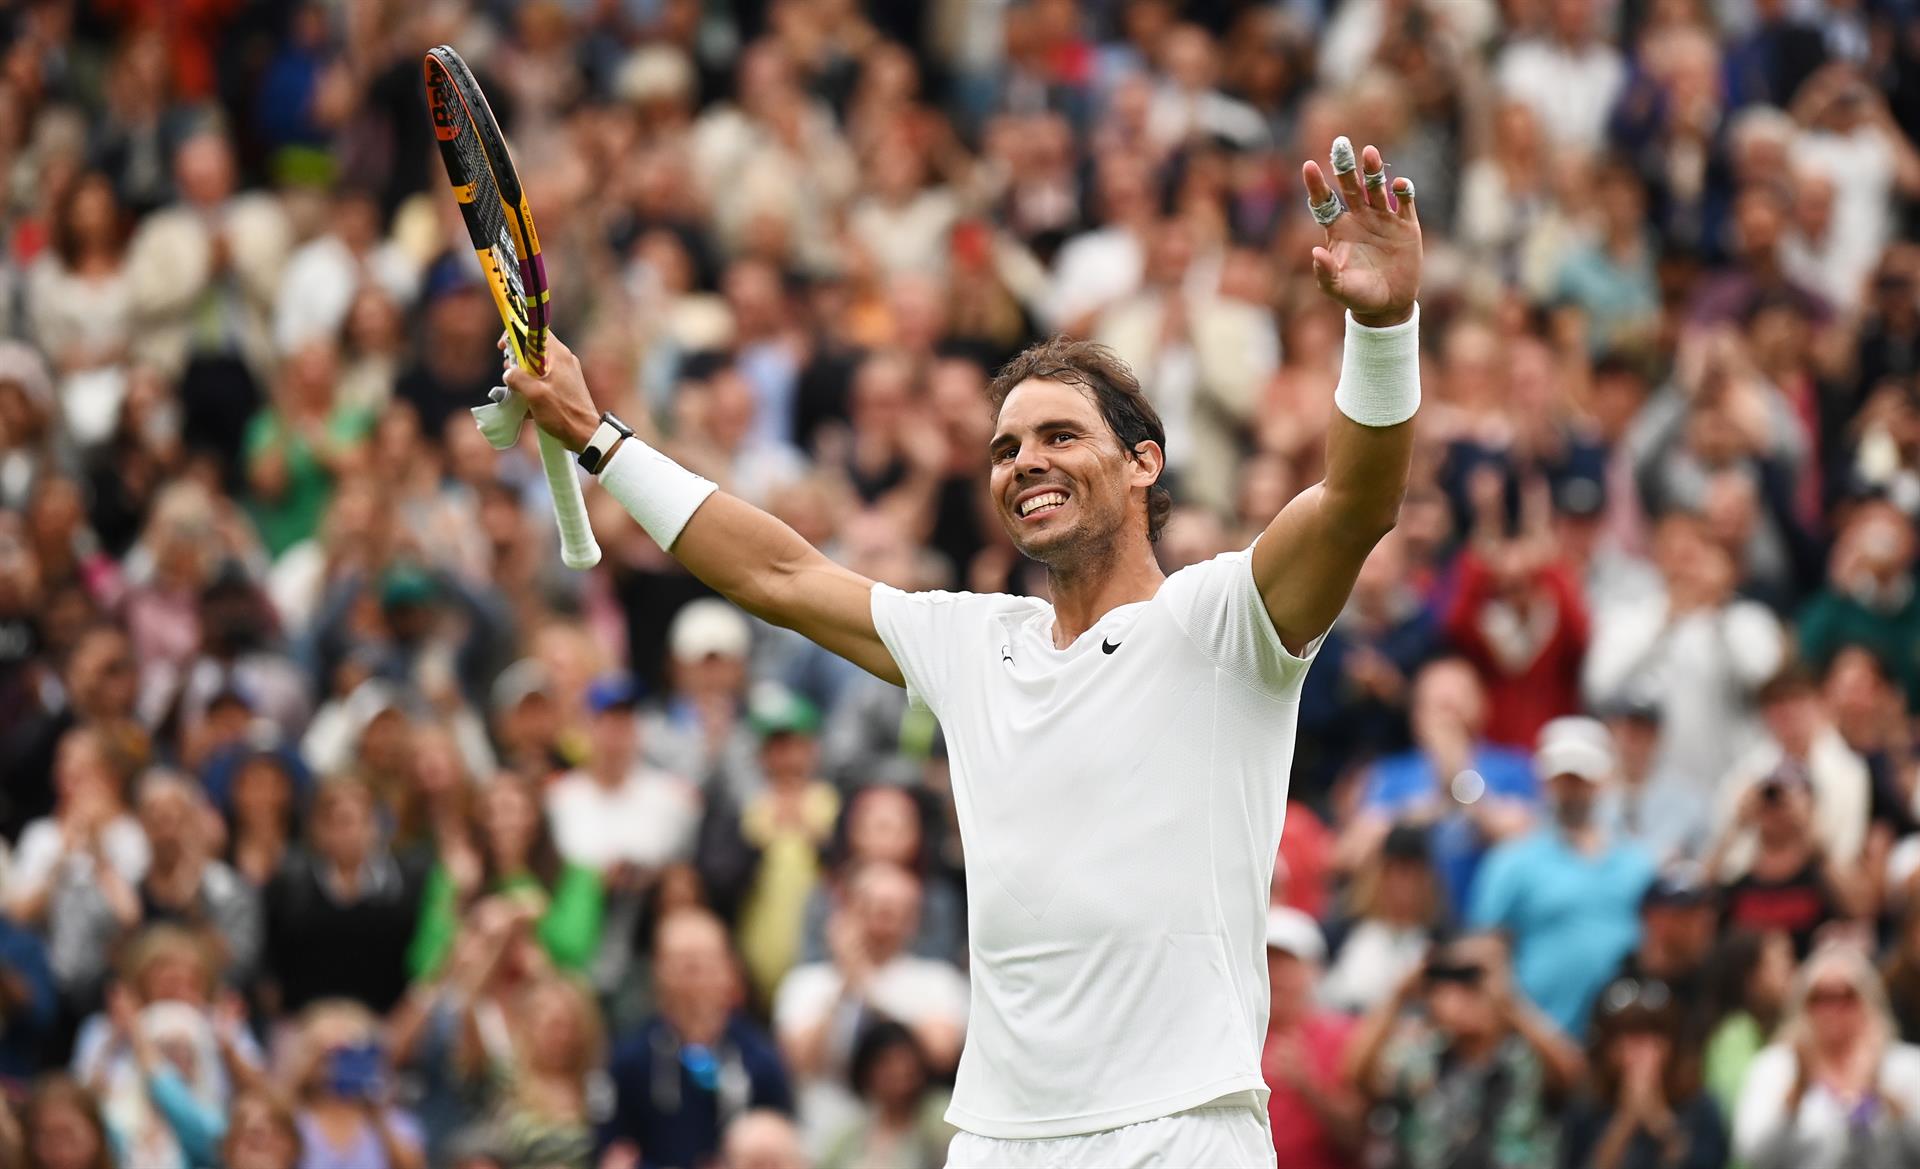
1149	461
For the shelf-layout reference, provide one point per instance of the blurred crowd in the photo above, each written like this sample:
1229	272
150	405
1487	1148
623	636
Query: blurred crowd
344	827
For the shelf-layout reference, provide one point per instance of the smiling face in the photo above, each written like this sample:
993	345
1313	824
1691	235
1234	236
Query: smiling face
1062	484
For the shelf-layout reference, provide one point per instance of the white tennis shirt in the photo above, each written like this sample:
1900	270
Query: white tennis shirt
1120	801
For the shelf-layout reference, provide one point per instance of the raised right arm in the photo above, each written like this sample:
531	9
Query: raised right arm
741	552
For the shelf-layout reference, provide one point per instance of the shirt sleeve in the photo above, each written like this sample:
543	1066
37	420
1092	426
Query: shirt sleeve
924	631
1219	606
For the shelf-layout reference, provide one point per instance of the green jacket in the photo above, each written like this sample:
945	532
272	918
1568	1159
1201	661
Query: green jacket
569	931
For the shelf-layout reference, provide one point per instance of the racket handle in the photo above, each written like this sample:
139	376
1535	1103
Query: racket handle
577	546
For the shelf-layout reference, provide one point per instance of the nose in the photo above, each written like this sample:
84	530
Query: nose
1030	461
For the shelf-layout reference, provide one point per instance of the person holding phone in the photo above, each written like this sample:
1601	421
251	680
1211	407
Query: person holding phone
1457	1070
341	1078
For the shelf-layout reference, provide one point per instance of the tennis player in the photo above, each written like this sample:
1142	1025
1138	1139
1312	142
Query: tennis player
1120	755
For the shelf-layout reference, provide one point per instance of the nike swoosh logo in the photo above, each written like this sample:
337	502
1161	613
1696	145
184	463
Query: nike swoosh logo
1107	647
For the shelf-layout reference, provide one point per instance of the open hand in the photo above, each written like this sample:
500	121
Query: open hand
1371	260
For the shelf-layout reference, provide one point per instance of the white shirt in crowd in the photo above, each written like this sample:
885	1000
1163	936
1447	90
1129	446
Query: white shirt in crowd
1842	796
1571	90
1120	801
650	820
43	855
907	989
1820	1133
1704	667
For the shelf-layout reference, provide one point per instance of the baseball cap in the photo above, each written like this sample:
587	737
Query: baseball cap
1677	889
406	584
772	709
610	691
1406	842
1293	932
705	627
1574	745
518	682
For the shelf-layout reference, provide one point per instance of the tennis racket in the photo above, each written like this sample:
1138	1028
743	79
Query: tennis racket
501	226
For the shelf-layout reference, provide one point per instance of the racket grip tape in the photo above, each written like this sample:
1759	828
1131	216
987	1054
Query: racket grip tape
577	546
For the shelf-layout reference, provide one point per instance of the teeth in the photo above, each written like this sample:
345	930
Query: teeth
1039	501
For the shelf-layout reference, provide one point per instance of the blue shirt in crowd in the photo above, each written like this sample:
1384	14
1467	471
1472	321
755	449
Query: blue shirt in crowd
1572	916
1400	784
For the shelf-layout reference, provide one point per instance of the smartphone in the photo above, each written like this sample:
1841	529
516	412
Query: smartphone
354	1073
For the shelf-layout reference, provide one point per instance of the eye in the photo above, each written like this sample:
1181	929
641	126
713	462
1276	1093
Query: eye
1060	436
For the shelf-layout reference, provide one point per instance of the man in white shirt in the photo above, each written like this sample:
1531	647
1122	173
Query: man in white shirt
616	815
821	1008
1570	77
1119	756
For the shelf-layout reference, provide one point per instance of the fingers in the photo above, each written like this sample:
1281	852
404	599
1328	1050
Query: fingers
1317	189
1403	194
1324	205
1373	178
1346	171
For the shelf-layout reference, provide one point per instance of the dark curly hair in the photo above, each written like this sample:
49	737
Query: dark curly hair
1096	370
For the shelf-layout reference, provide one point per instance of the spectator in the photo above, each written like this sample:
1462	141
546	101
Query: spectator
903	1122
1468	1083
82	310
1836	1085
668	1075
1678	917
341	912
1749	977
539	1075
1518	616
697	730
1566	895
871	974
337	1073
1801	736
261	1134
762	1139
1469	793
1648	1108
1790	884
1702	653
620	818
1397	914
61	1128
789	824
30	1006
890	826
299	446
510	854
1314	1114
1664	812
1355	703
1569	76
1869	599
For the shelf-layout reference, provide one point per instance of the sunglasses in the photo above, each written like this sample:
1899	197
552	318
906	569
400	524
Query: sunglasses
1628	994
1832	996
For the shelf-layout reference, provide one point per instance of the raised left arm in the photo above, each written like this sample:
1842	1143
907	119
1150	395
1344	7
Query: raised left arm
1307	559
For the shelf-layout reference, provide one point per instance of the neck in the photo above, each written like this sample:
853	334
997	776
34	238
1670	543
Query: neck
696	1022
1087	591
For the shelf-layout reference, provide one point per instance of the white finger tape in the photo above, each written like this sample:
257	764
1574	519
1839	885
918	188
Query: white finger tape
500	419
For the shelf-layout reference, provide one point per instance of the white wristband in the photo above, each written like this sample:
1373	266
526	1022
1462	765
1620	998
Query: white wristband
660	494
1380	373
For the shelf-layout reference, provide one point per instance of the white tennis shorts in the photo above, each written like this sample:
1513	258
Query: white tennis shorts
1214	1136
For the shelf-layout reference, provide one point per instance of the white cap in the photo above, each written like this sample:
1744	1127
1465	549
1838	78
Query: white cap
708	626
654	72
1574	745
1295	933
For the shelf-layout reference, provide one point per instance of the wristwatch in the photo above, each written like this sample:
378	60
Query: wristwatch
607	436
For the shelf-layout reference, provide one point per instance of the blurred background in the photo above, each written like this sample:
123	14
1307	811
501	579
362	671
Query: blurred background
344	827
